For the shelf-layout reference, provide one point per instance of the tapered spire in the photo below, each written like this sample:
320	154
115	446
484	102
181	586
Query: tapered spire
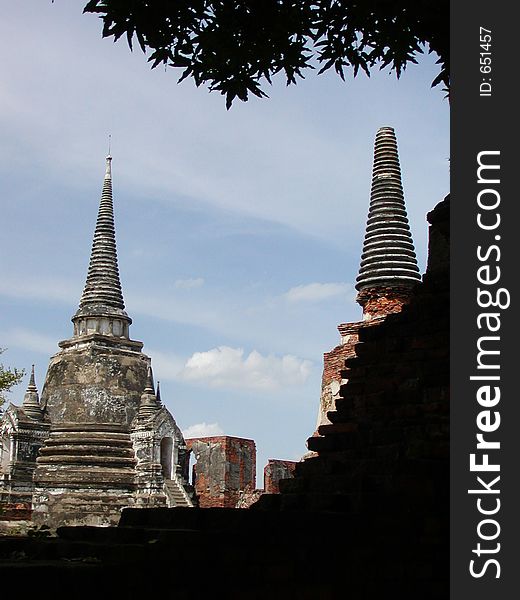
103	286
149	388
149	404
388	262
31	402
102	297
388	252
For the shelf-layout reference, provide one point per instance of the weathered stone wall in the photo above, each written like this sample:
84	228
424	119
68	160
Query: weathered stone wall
160	452
274	471
94	383
225	468
248	498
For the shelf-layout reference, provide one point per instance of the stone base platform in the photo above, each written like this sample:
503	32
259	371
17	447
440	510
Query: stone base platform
84	469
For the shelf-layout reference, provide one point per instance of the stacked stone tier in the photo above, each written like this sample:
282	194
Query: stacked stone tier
87	453
388	250
103	285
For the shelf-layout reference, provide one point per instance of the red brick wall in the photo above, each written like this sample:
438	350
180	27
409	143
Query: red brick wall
334	366
377	304
274	471
225	468
334	363
382	301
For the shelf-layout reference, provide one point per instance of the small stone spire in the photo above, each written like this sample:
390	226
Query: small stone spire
388	269
102	295
31	402
158	394
149	388
149	403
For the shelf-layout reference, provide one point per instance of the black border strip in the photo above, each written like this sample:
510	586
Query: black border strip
485	122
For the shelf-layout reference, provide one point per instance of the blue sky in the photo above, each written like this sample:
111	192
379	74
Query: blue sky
239	232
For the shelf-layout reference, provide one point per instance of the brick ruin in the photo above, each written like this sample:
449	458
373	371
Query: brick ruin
99	391
388	271
367	516
275	471
224	474
100	439
225	469
384	439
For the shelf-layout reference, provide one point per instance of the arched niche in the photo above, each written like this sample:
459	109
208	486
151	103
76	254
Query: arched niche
167	457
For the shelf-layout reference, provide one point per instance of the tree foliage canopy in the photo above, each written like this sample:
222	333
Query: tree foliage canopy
235	46
8	378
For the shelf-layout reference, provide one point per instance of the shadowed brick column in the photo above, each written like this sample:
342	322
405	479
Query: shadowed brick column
388	271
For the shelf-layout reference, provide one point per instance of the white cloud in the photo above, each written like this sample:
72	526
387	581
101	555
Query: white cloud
187	284
316	292
202	430
231	368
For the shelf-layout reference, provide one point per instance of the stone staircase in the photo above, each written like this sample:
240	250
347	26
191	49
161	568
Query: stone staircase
388	440
176	494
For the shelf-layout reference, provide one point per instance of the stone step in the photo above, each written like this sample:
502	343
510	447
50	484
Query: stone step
86	459
91	426
338	441
81	476
88	438
177	496
90	449
175	493
337	428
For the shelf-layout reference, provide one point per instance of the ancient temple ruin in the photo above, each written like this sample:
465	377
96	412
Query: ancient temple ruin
388	272
99	439
380	454
366	516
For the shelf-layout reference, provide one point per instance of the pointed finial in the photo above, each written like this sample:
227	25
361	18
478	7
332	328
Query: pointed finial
32	384
108	172
149	382
149	404
158	393
31	402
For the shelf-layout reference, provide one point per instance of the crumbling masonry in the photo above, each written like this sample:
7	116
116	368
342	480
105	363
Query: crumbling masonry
388	271
367	516
100	438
